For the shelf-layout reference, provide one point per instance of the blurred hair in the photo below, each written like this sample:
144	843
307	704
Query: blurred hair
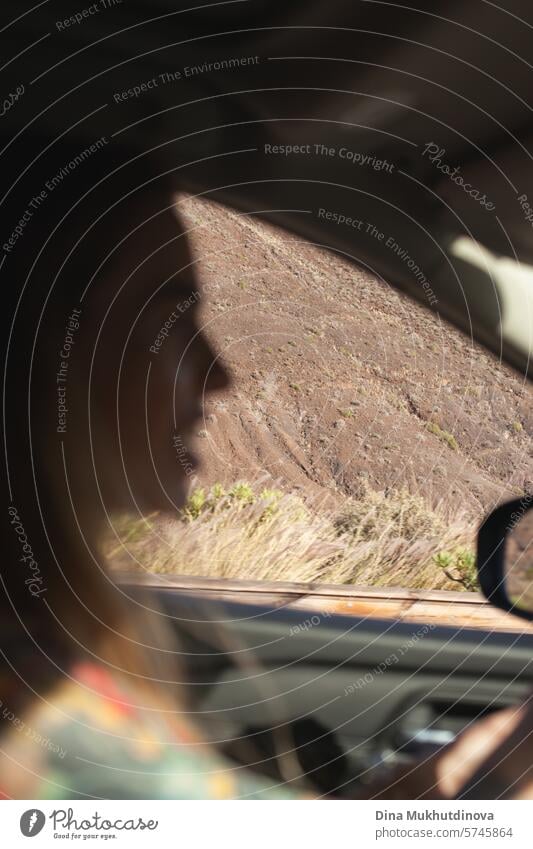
71	610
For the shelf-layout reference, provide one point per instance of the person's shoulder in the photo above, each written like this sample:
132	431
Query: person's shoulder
96	738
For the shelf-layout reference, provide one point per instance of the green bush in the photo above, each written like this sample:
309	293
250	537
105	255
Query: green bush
459	565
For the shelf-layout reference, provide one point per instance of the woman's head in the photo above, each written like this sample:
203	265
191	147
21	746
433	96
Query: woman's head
108	368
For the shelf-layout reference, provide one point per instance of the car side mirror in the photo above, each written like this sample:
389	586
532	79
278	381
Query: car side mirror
505	557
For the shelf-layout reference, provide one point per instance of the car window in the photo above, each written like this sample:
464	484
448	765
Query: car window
362	438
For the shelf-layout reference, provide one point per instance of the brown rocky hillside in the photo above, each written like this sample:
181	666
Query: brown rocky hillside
339	379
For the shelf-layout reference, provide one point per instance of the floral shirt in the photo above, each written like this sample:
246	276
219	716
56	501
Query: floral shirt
92	742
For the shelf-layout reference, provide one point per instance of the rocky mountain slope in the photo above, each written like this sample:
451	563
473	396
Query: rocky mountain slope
340	380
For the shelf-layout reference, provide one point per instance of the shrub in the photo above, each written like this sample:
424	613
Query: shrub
444	435
390	538
459	565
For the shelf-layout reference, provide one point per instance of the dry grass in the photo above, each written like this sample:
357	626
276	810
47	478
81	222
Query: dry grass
394	539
